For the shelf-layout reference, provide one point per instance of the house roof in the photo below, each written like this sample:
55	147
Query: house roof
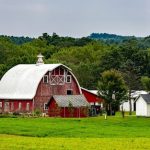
135	94
94	92
146	98
21	81
75	100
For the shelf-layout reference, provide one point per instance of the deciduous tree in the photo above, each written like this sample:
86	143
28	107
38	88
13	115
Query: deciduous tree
112	88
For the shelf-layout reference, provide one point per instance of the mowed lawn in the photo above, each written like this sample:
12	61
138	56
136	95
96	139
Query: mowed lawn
87	133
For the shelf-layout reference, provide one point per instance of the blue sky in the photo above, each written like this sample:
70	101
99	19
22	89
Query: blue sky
75	18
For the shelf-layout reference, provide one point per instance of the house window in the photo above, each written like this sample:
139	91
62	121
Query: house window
12	105
45	79
27	106
19	107
45	106
68	79
0	104
69	92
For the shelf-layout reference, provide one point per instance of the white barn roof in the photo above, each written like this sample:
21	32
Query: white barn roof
21	81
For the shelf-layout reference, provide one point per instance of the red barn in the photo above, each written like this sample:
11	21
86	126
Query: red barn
29	87
94	100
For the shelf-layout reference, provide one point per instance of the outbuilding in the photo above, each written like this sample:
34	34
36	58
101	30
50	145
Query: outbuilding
134	95
143	105
68	106
95	101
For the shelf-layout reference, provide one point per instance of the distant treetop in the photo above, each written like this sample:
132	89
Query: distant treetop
111	38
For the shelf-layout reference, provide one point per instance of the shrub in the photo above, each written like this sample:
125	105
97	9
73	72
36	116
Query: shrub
37	112
16	113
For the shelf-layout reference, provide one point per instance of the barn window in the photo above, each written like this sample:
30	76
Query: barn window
69	92
19	106
12	105
6	106
45	106
68	79
0	104
45	79
27	106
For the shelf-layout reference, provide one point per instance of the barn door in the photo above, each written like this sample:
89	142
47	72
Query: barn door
6	107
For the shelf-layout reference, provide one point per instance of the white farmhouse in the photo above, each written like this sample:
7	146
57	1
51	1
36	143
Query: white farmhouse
143	105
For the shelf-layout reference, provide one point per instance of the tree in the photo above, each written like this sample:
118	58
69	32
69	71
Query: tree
135	63
112	88
146	83
131	78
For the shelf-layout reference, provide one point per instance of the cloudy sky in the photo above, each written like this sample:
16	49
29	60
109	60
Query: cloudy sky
75	18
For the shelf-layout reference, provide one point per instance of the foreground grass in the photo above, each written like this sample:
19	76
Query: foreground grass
33	143
115	133
113	127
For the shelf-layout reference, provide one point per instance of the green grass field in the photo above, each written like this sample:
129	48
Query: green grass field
88	133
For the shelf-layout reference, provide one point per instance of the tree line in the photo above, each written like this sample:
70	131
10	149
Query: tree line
88	58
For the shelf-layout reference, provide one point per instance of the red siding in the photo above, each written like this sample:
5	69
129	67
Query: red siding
13	106
91	98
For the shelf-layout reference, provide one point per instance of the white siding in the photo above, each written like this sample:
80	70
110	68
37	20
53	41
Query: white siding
141	107
148	110
126	106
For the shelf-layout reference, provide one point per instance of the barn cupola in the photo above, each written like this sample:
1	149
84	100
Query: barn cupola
40	59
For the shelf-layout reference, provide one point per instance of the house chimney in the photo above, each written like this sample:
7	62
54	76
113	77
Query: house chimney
40	59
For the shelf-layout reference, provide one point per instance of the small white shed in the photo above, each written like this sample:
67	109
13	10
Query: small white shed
134	96
143	105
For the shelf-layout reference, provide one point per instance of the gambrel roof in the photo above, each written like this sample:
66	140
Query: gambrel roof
21	81
75	100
